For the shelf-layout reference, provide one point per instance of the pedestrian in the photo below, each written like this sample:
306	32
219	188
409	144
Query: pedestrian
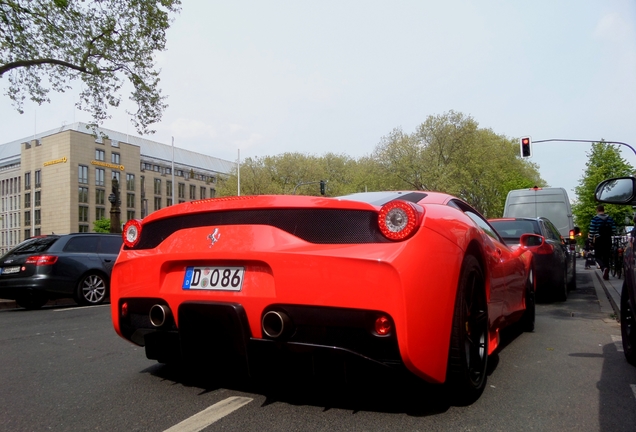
602	228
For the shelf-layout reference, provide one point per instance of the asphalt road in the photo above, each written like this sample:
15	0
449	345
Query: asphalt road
63	368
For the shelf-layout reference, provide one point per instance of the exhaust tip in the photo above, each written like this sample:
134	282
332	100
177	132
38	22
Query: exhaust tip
159	315
276	324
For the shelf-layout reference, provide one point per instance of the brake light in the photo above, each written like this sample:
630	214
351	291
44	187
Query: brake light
41	260
399	219
132	232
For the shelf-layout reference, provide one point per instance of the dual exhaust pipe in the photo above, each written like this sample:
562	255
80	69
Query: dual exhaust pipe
275	324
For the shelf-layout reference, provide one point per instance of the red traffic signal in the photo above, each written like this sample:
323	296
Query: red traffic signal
526	146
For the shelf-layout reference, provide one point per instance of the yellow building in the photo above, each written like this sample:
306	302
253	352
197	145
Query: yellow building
60	181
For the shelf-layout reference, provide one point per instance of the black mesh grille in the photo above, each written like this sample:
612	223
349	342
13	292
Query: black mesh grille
323	226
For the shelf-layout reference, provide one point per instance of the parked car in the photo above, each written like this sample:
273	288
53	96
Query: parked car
622	190
58	266
411	281
553	261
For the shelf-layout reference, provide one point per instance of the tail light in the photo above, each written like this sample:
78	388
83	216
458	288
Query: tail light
41	260
132	232
399	219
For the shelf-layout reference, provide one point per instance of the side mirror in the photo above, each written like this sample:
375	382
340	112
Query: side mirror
616	191
536	244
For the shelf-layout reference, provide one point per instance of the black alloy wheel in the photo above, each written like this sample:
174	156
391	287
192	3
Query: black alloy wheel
91	289
628	329
468	355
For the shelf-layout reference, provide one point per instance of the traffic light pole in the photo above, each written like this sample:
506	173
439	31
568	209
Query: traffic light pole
588	141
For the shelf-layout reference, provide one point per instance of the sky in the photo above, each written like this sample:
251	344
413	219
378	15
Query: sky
269	77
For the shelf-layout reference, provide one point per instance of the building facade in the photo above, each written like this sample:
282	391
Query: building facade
60	181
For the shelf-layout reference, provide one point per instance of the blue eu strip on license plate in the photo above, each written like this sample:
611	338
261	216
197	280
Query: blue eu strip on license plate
213	278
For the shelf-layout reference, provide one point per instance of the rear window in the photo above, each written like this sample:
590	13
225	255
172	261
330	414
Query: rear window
110	244
34	245
514	229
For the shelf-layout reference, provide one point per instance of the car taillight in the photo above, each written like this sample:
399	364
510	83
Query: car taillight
132	232
399	219
40	260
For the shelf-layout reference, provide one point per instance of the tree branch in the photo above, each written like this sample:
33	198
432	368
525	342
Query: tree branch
36	62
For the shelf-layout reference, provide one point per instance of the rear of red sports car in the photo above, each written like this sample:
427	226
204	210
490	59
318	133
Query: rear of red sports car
238	282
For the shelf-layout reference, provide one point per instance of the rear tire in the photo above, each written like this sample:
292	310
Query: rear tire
31	301
528	317
628	327
91	289
468	354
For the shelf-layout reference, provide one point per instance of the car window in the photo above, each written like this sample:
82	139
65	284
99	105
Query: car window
82	244
558	214
34	245
552	232
516	228
477	218
110	244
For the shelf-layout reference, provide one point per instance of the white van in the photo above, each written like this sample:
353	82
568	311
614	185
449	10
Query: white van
551	203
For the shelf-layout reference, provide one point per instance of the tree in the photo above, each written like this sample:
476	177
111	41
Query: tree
604	162
47	44
101	225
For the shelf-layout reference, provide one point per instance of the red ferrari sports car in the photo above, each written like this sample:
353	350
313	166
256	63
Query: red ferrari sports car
417	281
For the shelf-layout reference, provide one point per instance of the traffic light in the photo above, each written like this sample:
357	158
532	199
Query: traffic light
322	187
526	147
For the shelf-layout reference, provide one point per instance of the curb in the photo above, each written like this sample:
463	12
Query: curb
615	302
11	304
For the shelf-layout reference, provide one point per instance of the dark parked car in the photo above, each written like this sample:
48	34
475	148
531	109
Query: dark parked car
59	266
623	191
554	263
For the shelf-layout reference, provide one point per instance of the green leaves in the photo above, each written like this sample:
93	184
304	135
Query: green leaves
47	45
604	162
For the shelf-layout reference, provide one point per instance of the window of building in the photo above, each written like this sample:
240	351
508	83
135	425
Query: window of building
193	192
27	233
83	195
157	186
203	190
169	202
155	168
212	192
38	178
82	228
100	195
27	200
27	180
99	155
168	188
115	176
130	200
83	213
82	175
130	215
168	170
27	218
100	213
157	203
99	176
130	182
37	215
181	190
114	158
37	202
37	231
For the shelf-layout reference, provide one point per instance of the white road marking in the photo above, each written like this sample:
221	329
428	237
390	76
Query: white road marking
618	341
211	414
79	308
633	386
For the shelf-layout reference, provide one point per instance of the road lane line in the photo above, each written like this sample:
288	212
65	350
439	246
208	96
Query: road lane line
79	308
618	341
211	414
633	386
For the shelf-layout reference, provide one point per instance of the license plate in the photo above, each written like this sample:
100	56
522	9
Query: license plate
213	278
9	270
